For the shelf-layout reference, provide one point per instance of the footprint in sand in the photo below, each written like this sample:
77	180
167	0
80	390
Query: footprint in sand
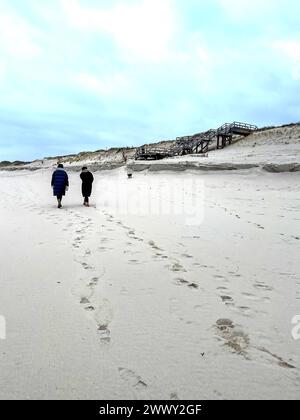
133	380
104	333
93	283
218	277
198	265
181	282
234	337
132	235
177	268
245	310
84	301
86	266
103	249
187	256
154	246
193	286
103	318
227	300
89	308
250	296
262	286
134	262
78	239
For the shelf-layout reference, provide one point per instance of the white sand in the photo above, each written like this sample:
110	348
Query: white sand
104	305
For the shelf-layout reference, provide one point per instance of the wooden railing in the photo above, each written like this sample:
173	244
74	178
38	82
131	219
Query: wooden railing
198	143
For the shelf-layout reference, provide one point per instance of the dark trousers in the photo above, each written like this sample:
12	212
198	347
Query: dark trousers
86	199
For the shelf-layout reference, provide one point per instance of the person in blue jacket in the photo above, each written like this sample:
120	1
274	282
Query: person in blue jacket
60	183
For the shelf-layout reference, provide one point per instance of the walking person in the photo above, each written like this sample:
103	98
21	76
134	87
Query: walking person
87	185
60	183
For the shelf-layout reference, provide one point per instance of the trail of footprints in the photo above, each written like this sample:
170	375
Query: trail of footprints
234	214
180	280
257	225
158	254
230	334
100	309
261	290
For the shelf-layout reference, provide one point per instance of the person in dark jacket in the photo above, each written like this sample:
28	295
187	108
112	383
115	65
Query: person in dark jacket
60	183
87	185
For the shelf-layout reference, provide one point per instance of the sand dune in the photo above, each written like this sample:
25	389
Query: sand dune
275	150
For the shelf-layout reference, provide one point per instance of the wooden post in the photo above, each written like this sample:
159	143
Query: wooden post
223	141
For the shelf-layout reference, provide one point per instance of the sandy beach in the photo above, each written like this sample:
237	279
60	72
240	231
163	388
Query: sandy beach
126	301
178	278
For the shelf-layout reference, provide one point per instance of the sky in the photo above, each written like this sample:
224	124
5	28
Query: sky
80	75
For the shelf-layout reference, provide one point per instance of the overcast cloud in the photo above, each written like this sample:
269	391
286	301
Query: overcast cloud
89	74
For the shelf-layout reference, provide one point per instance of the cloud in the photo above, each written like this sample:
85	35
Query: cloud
247	9
143	30
17	37
109	85
3	70
88	74
238	8
290	52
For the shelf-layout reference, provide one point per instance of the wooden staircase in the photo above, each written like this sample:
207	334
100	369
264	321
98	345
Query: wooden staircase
198	143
